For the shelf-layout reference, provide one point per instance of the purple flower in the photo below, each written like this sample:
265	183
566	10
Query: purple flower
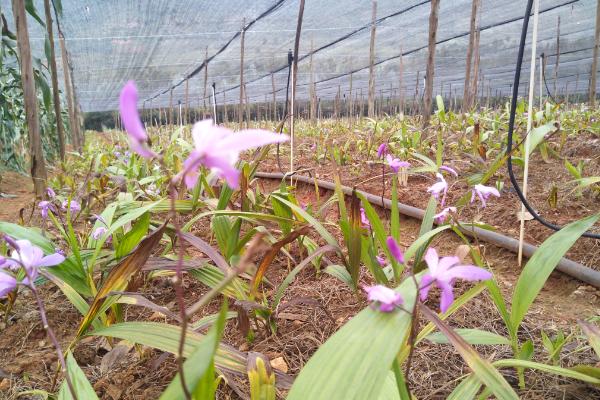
31	258
219	148
394	249
50	192
483	192
450	170
117	154
7	284
381	260
74	206
131	120
386	298
441	217
395	163
44	207
382	150
364	220
443	272
98	232
440	187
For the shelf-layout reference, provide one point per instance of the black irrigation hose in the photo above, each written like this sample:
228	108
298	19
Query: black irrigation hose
511	127
544	78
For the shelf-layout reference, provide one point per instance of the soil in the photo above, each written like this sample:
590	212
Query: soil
28	361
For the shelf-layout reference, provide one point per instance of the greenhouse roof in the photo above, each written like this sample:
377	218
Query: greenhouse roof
162	43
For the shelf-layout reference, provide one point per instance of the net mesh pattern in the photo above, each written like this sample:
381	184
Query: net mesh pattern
161	44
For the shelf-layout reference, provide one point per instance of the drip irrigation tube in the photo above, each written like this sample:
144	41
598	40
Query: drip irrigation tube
566	266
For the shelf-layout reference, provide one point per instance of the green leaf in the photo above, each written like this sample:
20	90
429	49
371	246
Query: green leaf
340	272
466	390
471	336
355	362
537	135
81	385
133	237
30	7
484	371
593	335
198	363
542	263
552	369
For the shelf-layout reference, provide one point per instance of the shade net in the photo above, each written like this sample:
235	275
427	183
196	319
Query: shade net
161	44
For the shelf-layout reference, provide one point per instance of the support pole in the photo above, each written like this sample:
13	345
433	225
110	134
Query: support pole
274	97
187	101
38	167
536	5
557	56
594	70
371	100
466	90
73	119
400	83
204	113
428	95
242	86
294	78
54	77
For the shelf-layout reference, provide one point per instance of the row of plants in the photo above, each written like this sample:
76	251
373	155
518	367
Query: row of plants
145	196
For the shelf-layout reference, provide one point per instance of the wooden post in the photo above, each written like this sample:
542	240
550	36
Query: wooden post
246	109
54	77
38	167
171	117
274	97
242	86
371	105
225	112
400	83
187	101
351	104
73	121
205	112
557	56
594	70
466	90
311	94
294	80
433	23
475	81
416	95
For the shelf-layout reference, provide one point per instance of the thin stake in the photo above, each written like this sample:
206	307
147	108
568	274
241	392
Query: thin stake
466	90
371	99
529	123
242	86
594	70
294	76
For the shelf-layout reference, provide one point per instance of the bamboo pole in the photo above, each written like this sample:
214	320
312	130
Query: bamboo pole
473	85
466	90
594	70
371	99
433	24
400	83
38	167
351	104
171	117
187	101
242	86
294	79
73	122
529	125
313	103
246	106
54	78
205	113
557	56
274	97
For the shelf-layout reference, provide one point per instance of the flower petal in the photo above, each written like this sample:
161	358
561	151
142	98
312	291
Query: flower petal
248	139
51	260
224	169
141	149
394	249
447	297
7	284
468	273
426	283
129	113
432	259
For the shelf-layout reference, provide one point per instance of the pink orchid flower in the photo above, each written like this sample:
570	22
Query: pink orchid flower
8	283
443	272
219	148
74	206
386	298
483	192
45	206
440	187
364	220
381	260
441	217
30	257
382	150
132	122
395	250
449	170
395	163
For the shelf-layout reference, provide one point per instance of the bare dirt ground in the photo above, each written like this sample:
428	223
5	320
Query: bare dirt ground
27	360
